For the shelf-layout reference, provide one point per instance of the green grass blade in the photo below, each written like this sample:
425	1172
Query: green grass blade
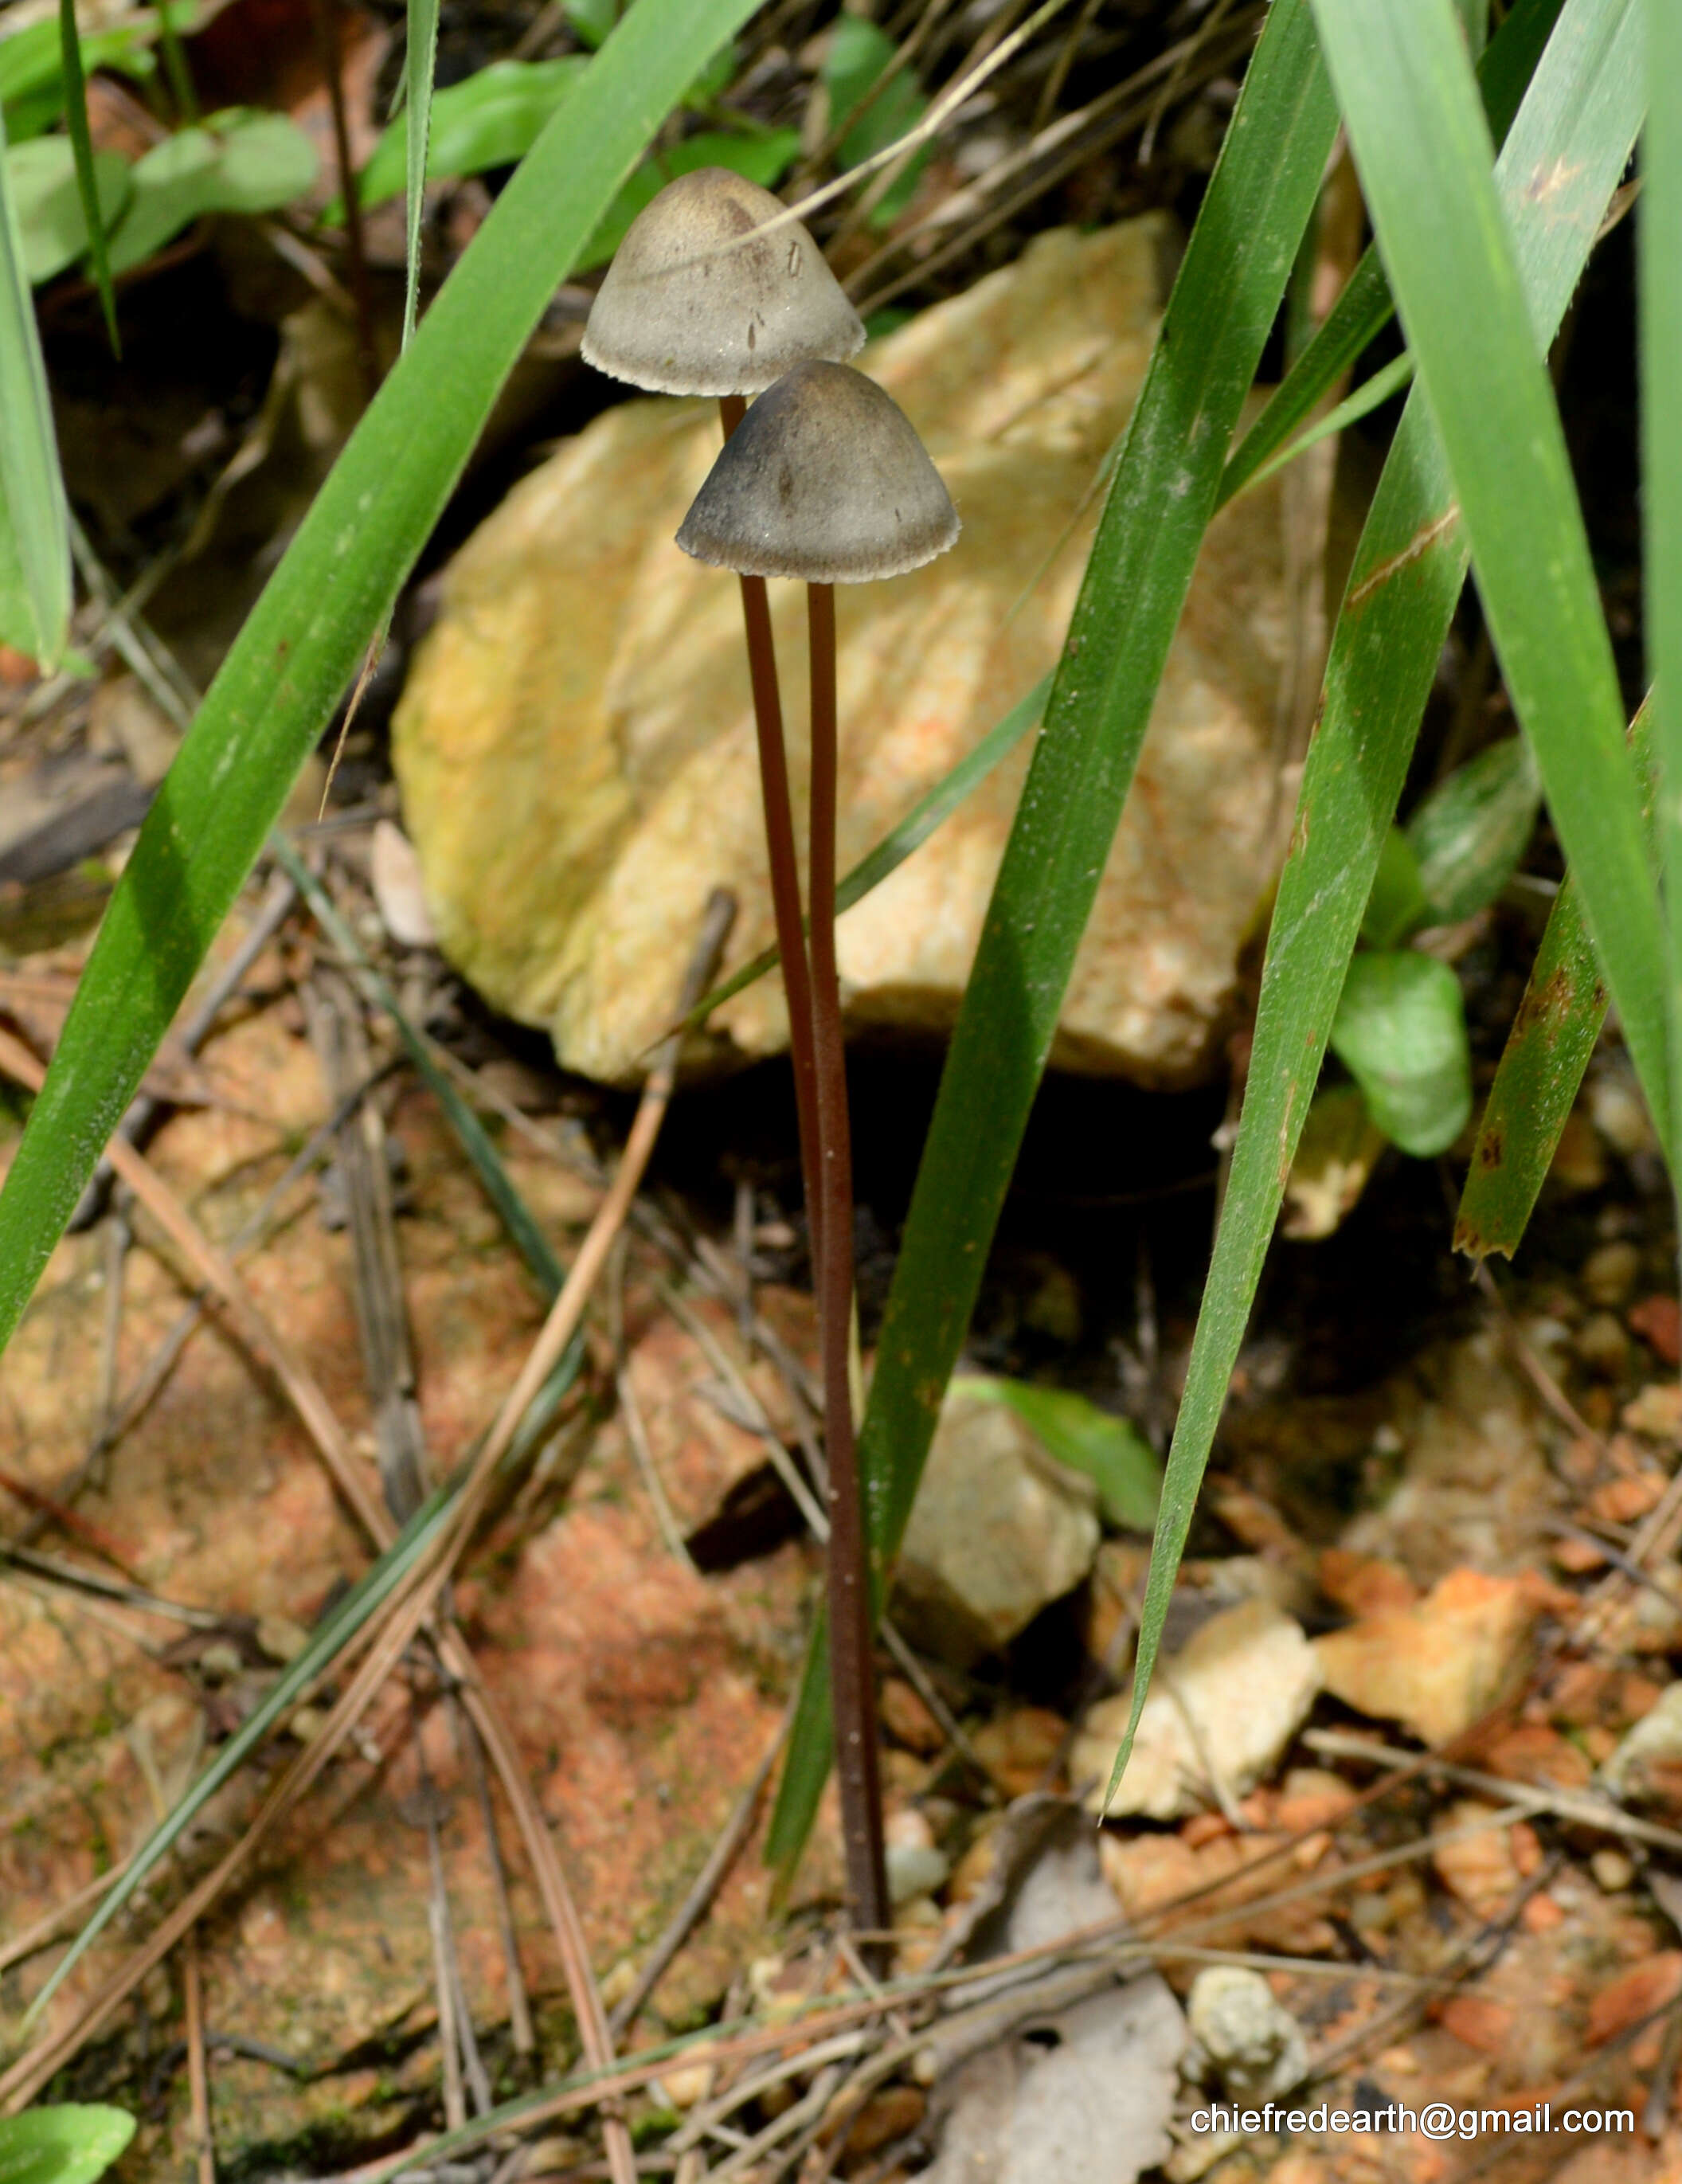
891	852
1423	152
1366	397
420	61
326	1642
75	122
1223	304
35	517
1364	308
516	1215
1660	357
1577	122
305	637
1542	1065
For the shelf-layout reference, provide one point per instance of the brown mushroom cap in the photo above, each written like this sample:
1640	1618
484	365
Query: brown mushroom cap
824	479
688	307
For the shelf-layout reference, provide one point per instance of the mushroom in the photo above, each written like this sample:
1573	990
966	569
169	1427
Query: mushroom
697	301
827	480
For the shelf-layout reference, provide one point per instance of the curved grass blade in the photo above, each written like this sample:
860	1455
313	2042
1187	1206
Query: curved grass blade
891	852
420	61
35	517
1578	123
1542	1065
1660	355
1365	308
1366	397
76	122
303	639
1223	304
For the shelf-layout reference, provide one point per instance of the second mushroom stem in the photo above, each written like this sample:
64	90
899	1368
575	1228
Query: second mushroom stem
852	1682
785	877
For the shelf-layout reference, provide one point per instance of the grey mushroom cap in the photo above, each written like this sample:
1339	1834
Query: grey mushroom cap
689	307
825	479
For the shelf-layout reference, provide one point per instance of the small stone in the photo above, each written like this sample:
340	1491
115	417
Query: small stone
1246	2042
1610	1273
1625	1500
1437	1666
915	1870
998	1532
1247	1680
1657	1411
1655	1743
1640	1992
1658	1321
395	871
1478	2022
908	1720
1478	1865
893	2113
1603	1344
1018	1748
1613	1871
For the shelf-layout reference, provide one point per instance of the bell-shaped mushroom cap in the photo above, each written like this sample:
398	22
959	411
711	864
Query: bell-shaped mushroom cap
689	307
824	479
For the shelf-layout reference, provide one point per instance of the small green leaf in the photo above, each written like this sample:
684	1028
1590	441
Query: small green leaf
858	52
69	2145
1401	1032
763	160
238	161
32	85
490	120
1109	1451
590	19
1471	831
41	179
1397	907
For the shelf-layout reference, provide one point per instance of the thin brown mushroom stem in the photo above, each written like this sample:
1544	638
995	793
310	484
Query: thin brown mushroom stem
785	876
851	1675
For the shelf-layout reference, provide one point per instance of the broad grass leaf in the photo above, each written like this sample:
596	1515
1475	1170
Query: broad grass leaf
1365	309
1577	126
1548	1049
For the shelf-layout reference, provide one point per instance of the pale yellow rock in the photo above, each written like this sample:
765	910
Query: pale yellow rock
1438	1665
1233	1698
576	746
